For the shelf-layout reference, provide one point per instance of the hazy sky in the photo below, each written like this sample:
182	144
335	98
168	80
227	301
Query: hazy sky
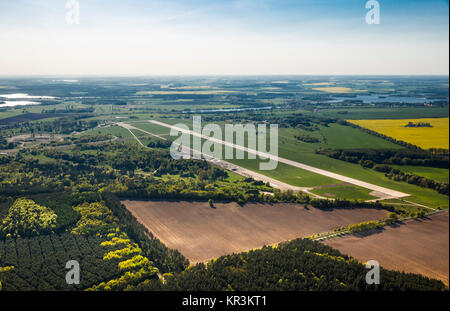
175	37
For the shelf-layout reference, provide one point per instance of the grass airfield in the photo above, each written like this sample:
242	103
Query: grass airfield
336	136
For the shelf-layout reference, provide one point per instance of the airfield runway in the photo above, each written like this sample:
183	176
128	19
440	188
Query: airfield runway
388	193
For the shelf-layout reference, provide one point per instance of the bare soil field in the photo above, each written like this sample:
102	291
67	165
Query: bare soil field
202	233
418	246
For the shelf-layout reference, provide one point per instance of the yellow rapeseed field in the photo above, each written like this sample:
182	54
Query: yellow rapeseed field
424	137
333	89
319	83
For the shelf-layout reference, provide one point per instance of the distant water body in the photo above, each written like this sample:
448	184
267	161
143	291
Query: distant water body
25	102
24	96
11	103
373	99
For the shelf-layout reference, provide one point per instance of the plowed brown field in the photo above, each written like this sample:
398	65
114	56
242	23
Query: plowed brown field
201	233
418	246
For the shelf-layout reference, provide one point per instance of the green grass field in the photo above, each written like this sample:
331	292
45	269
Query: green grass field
9	113
336	136
151	128
345	192
288	174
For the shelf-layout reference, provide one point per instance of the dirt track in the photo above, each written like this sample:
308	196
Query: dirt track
418	246
201	233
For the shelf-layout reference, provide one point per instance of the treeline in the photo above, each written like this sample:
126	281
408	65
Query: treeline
167	260
398	175
298	120
371	225
418	124
365	226
346	204
378	158
82	139
307	138
299	265
104	101
374	133
438	158
159	144
295	120
69	109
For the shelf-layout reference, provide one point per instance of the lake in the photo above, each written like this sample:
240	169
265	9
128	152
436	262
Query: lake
14	102
373	99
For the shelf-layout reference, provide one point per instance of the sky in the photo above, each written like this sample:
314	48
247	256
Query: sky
234	37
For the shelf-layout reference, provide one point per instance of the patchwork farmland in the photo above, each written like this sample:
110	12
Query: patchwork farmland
92	147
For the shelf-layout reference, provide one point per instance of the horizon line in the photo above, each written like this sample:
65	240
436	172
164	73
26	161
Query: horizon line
217	75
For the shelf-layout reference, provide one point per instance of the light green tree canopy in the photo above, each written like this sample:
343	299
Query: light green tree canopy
26	218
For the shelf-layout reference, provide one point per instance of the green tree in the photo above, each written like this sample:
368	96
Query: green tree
27	218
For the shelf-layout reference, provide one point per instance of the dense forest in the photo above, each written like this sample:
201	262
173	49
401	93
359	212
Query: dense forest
97	238
300	264
38	263
120	168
